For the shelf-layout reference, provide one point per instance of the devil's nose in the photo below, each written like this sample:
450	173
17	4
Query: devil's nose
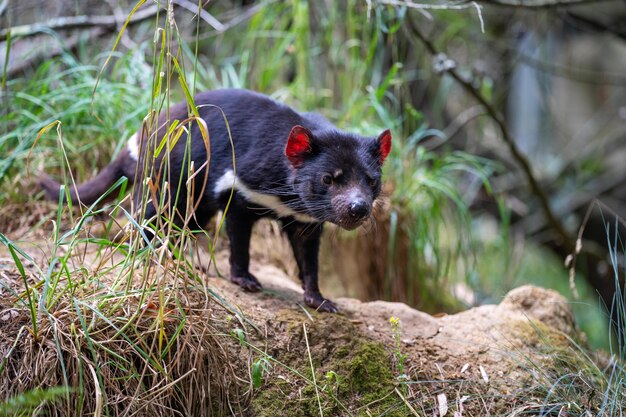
358	209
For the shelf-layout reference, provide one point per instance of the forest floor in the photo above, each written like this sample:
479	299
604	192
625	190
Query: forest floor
272	356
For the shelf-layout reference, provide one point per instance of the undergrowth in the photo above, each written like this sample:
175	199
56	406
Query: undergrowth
131	323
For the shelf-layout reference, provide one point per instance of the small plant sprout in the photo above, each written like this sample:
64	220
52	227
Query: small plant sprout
240	335
397	351
332	382
260	367
332	376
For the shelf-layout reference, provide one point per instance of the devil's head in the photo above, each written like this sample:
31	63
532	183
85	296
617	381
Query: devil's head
337	175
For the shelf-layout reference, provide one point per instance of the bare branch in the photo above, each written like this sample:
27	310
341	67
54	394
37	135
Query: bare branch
30	51
121	18
588	23
247	14
461	120
3	6
597	188
70	22
466	4
428	6
449	67
204	15
541	4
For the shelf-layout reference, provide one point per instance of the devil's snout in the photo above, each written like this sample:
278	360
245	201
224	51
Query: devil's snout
351	208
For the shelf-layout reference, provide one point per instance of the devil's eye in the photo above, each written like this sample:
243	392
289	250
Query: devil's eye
373	182
327	179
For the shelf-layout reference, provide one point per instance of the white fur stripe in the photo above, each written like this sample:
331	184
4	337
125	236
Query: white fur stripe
228	181
133	147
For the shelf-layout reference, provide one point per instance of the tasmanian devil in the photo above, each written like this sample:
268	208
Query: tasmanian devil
295	167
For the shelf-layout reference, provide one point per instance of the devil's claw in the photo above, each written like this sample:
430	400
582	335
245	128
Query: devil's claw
248	282
320	303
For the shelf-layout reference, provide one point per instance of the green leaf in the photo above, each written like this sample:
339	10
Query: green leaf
240	335
257	373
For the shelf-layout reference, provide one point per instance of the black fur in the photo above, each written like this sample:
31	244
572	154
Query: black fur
335	178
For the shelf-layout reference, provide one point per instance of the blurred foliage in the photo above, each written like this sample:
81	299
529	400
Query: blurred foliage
26	403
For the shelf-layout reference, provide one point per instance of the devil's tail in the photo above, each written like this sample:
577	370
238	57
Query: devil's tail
91	190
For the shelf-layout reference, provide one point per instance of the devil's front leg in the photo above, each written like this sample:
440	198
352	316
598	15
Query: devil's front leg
305	242
239	229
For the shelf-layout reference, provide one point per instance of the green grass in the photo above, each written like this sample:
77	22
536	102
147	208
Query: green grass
429	212
61	90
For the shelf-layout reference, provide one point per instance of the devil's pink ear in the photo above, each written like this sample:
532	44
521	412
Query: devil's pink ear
298	144
384	145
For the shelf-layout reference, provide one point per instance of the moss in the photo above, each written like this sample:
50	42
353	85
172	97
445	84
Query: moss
276	399
342	352
367	380
538	334
363	368
367	372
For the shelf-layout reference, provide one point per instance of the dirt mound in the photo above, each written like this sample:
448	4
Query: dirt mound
478	361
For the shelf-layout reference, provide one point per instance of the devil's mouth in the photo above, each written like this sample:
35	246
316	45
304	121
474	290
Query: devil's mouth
348	224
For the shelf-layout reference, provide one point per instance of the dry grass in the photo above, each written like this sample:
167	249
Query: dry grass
127	336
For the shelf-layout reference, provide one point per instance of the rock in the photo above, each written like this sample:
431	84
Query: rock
416	325
547	306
